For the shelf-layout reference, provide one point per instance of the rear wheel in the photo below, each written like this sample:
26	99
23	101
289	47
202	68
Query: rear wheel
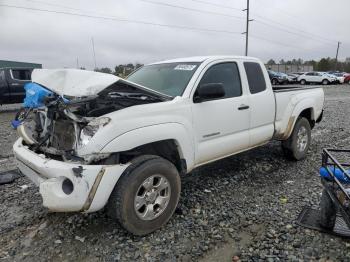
325	82
303	82
328	211
297	145
146	195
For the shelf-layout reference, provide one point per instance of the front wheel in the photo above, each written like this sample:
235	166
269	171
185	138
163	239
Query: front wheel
325	82
146	195
297	145
274	82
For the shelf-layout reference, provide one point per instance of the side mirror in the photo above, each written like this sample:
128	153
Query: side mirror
209	91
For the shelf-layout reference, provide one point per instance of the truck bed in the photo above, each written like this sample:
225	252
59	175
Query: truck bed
286	88
290	102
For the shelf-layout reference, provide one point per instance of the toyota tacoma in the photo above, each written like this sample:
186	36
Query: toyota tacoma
91	140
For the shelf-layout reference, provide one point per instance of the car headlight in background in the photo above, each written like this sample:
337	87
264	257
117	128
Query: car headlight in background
91	129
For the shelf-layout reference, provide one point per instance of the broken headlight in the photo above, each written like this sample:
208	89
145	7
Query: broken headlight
91	129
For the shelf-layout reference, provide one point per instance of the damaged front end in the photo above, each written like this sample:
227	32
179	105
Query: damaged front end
58	125
63	110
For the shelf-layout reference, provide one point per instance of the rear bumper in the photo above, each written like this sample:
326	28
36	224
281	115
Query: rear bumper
90	185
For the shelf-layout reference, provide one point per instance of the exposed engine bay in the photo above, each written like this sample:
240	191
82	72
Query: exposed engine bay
57	125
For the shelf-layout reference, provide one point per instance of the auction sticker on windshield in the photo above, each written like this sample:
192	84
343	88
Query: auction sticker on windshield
185	67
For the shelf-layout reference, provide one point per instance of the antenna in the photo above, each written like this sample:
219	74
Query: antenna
93	51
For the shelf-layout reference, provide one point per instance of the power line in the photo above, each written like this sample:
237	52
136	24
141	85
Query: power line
287	31
55	5
298	31
217	5
143	23
191	9
267	19
302	34
122	20
308	35
278	43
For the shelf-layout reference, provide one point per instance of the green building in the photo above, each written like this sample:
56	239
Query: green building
5	63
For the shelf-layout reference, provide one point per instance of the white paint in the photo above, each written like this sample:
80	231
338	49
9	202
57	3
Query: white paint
203	132
78	83
317	77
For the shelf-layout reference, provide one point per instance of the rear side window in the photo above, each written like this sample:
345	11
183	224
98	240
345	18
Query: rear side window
226	74
255	75
21	74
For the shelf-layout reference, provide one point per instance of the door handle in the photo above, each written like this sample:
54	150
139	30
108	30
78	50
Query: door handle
243	107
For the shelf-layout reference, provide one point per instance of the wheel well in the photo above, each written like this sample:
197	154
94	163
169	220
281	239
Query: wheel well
308	114
166	149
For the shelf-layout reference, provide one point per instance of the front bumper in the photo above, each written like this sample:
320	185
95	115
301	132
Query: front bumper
92	184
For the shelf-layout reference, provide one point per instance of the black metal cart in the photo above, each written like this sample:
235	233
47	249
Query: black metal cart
336	195
333	216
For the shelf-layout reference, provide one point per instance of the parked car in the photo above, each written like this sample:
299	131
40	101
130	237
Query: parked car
334	80
277	78
340	77
12	81
93	140
347	78
292	78
316	77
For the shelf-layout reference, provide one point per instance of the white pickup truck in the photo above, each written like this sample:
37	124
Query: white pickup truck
96	140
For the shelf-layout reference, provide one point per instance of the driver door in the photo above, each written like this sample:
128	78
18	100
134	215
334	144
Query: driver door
221	125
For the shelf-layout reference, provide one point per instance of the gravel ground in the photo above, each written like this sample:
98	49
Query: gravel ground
242	206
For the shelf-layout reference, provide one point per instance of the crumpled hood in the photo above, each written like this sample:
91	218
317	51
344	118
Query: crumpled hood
79	83
73	82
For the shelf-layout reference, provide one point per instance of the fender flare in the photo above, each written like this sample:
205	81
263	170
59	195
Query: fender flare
298	109
154	133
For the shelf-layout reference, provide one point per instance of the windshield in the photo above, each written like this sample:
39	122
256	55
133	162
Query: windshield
170	79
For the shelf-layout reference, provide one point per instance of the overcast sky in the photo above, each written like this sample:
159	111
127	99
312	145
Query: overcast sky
282	29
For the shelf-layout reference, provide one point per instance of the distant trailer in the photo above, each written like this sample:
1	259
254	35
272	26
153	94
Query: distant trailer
16	64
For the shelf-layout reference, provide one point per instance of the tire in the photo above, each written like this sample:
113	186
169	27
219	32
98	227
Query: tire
325	82
145	172
297	145
303	82
328	211
274	82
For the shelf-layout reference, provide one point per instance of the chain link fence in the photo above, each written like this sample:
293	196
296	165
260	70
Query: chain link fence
290	68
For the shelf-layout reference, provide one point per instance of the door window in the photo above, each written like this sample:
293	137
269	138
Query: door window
2	75
226	74
21	74
256	79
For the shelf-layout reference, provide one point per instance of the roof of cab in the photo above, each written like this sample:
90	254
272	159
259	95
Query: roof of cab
200	59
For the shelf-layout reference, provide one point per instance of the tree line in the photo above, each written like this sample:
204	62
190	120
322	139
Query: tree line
325	64
120	70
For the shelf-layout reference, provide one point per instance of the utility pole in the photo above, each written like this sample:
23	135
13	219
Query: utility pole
247	28
336	57
93	51
77	63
